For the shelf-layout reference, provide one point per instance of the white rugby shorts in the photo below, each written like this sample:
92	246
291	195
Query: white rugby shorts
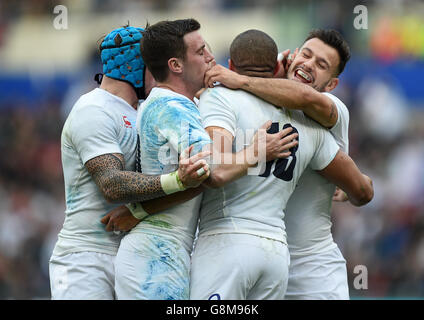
82	276
238	267
319	276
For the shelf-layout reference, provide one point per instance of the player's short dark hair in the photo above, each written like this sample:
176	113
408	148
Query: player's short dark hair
254	51
334	39
163	41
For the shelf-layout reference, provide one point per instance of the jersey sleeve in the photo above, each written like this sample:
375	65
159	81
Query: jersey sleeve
325	151
185	127
340	130
216	111
94	133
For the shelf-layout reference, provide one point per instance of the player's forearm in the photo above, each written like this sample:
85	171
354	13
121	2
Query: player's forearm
160	204
232	166
127	186
279	92
293	95
225	173
344	173
120	186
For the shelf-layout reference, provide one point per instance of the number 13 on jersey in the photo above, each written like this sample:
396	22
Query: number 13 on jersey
283	167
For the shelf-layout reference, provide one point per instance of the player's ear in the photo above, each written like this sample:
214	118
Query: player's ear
277	67
231	65
175	65
331	85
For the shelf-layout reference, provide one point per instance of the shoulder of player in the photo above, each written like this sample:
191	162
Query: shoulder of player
90	119
99	102
222	91
168	101
166	111
224	96
103	99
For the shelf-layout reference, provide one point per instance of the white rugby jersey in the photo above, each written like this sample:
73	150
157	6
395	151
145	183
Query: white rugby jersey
308	211
255	204
167	123
99	123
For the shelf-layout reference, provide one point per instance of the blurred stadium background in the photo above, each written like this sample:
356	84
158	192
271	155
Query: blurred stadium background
43	71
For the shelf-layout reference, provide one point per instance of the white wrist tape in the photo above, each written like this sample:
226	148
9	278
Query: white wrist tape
171	183
137	210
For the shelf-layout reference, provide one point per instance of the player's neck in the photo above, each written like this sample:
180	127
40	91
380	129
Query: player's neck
121	89
177	86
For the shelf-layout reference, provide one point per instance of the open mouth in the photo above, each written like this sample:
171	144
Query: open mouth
303	76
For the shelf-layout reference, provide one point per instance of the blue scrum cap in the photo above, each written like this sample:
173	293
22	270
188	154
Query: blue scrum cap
121	57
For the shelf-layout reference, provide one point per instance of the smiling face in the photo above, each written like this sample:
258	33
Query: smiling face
197	60
316	65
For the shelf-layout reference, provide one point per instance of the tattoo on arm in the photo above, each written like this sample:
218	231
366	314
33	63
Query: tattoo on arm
118	185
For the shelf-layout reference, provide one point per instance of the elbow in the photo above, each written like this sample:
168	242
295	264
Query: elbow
364	196
329	122
363	200
369	195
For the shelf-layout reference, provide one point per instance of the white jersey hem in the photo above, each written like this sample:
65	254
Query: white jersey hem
262	235
76	250
311	251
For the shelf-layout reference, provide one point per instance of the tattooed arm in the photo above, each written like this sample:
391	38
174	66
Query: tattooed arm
120	186
280	92
120	218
